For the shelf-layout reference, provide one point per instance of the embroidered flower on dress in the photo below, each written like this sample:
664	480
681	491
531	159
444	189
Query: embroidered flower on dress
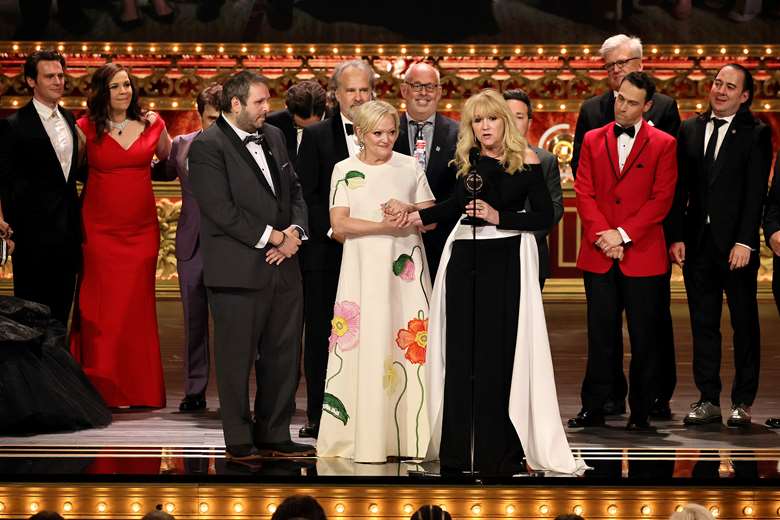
403	268
414	340
345	326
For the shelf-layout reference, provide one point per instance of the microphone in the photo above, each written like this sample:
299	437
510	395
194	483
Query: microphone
474	154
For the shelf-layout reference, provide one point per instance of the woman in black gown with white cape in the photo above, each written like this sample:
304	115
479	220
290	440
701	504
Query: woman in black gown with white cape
512	360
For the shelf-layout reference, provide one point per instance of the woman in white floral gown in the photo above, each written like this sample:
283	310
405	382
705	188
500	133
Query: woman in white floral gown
374	405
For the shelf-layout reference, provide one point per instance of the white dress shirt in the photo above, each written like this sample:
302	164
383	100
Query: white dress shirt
59	134
721	133
352	146
625	144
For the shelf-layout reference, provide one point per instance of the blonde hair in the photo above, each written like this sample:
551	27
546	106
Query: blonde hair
369	114
692	512
489	103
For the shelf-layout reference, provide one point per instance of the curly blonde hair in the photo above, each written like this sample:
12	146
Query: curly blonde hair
489	103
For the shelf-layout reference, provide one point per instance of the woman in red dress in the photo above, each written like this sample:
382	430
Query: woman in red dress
114	334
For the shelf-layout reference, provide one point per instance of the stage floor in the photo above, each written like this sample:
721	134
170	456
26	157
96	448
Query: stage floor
169	443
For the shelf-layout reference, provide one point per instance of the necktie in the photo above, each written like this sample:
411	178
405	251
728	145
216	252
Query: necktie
254	138
630	131
709	153
350	129
418	129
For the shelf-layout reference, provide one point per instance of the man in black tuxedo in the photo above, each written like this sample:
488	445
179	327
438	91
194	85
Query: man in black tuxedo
520	106
772	235
323	145
39	159
305	103
436	135
253	219
623	54
724	157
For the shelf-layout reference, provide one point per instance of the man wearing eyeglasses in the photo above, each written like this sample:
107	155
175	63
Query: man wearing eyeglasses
431	137
623	54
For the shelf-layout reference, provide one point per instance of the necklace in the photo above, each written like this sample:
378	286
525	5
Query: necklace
119	126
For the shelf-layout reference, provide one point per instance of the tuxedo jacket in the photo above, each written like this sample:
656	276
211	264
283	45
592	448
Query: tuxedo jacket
323	144
236	204
283	120
600	110
552	178
188	227
732	196
772	208
39	204
637	199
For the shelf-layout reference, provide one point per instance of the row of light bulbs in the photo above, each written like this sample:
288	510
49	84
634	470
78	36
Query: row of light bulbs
339	508
563	51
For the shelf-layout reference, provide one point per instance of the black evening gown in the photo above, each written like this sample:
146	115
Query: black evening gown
42	389
497	446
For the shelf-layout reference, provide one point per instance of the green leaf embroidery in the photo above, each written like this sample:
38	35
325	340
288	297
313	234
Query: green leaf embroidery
354	179
398	265
335	407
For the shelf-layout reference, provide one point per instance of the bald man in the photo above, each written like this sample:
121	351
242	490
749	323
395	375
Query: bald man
438	134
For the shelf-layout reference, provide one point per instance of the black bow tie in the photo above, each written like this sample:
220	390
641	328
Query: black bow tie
620	130
350	129
254	138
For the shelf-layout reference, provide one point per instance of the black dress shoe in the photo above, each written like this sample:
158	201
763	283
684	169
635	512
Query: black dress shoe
660	410
614	407
242	453
639	425
586	418
285	449
193	403
773	422
310	430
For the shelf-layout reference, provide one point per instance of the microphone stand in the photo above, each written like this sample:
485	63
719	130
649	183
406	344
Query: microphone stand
474	185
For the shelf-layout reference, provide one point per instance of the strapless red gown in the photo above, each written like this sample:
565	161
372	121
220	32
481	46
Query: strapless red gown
114	334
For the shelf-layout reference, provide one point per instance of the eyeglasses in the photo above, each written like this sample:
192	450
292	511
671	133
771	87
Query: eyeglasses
619	63
418	87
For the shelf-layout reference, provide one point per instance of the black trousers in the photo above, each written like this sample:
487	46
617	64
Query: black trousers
707	277
496	443
642	298
40	279
666	369
260	327
319	290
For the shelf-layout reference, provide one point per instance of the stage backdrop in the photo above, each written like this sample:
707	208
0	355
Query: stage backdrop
557	77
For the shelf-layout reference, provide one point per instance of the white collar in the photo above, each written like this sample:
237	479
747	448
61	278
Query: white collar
44	110
241	133
727	119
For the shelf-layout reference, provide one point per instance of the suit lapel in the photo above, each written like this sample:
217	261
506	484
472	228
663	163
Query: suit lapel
342	152
439	133
31	119
402	143
733	132
697	142
241	149
610	143
607	105
640	142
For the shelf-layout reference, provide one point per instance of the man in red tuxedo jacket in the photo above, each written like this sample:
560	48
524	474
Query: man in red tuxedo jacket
625	188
